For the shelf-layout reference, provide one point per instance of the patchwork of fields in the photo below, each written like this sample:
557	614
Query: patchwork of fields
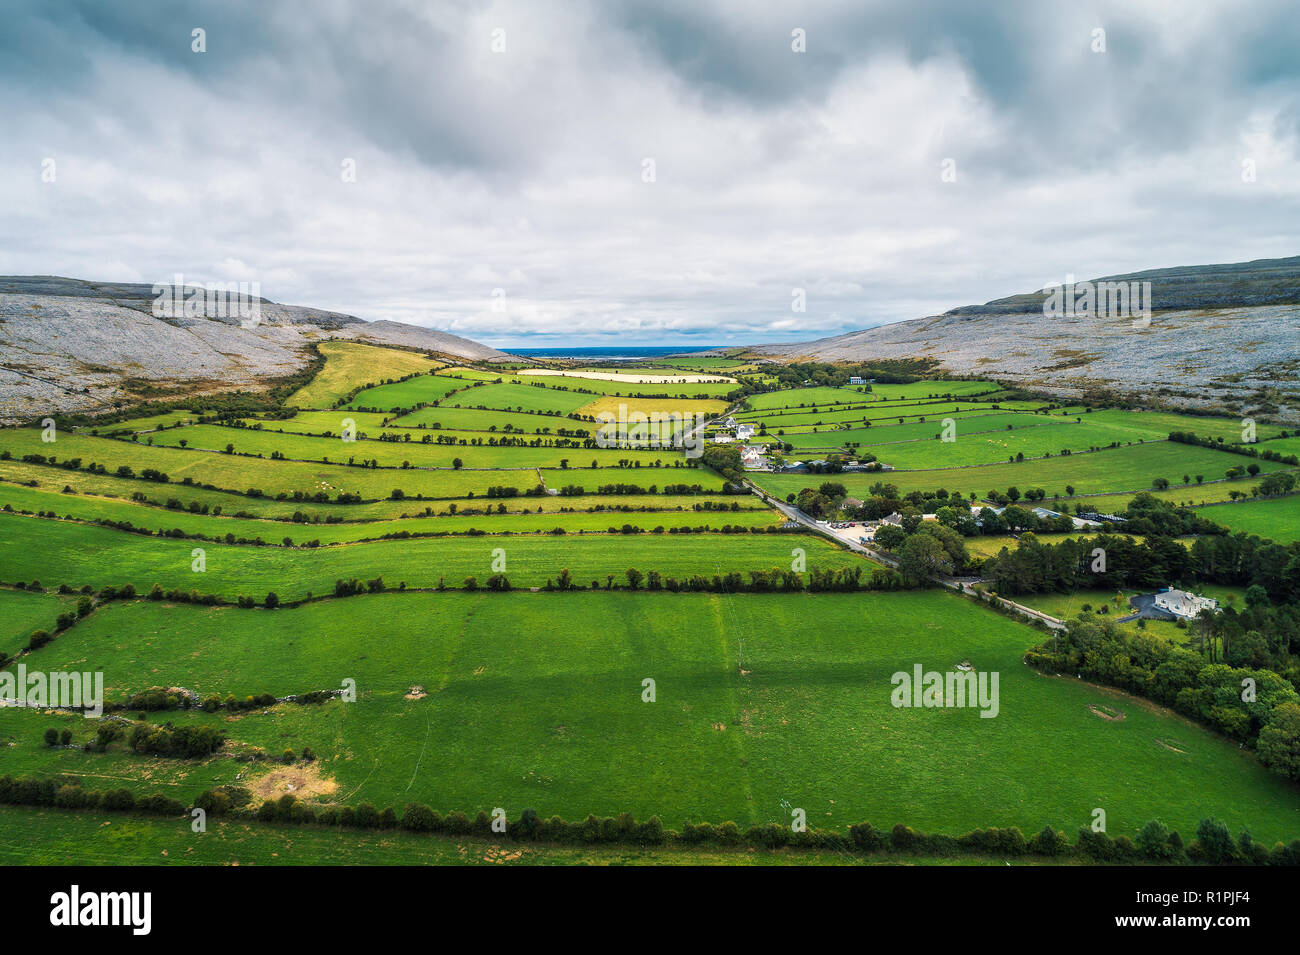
455	543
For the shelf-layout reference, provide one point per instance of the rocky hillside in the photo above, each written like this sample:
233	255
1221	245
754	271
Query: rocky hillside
71	345
1219	337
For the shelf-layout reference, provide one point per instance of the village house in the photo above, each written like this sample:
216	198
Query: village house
744	432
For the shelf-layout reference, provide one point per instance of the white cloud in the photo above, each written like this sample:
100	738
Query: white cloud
522	170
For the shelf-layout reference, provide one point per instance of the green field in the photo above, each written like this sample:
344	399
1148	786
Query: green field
407	394
1116	470
880	440
979	446
57	552
162	520
475	419
527	707
470	699
348	364
25	612
1276	519
511	397
830	416
395	454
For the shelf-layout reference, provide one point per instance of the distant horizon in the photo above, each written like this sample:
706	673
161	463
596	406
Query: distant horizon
609	352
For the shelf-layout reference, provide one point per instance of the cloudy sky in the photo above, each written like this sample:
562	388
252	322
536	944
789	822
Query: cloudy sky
914	157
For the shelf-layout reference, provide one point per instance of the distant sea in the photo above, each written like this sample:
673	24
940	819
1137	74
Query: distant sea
621	353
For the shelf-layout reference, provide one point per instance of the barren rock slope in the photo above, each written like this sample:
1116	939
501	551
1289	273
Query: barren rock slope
1221	337
69	345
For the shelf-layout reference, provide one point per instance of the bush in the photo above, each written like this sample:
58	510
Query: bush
1214	842
1049	842
419	818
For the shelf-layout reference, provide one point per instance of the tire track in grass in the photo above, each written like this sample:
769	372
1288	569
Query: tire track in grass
722	609
445	681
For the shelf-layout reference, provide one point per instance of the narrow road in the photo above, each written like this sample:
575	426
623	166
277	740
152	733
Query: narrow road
964	586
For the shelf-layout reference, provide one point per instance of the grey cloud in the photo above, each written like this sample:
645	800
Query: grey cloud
775	170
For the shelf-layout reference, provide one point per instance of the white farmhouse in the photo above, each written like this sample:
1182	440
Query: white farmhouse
744	432
1180	603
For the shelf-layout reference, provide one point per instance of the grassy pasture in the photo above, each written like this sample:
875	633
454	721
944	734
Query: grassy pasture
1283	446
1276	519
238	473
1118	470
603	381
1158	424
664	406
273	532
881	415
56	552
325	422
985	447
348	364
24	612
475	419
53	480
528	706
808	397
879	439
718	366
168	419
395	454
931	389
407	394
1186	495
512	397
478	374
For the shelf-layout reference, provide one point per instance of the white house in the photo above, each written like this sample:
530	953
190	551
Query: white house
751	456
1180	603
722	438
744	432
856	381
730	423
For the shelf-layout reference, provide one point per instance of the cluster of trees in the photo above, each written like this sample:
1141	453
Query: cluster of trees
924	548
179	742
1254	706
1158	561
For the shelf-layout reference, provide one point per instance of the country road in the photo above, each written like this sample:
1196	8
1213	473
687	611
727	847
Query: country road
964	586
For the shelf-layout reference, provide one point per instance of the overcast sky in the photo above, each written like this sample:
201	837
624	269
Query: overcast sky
524	169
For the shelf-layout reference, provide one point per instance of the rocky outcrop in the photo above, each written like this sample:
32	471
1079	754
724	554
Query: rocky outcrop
69	345
1219	337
